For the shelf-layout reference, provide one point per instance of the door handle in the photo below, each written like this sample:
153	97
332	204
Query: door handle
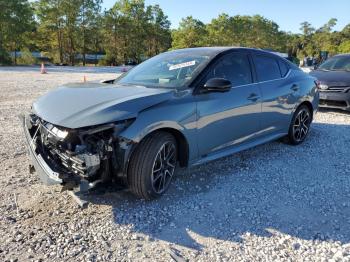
295	87
253	97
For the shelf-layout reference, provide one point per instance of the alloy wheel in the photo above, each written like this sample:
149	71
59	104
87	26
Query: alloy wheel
163	167
301	125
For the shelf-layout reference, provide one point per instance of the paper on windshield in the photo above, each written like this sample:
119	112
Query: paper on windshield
178	66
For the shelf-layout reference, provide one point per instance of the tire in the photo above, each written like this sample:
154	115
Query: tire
300	126
153	165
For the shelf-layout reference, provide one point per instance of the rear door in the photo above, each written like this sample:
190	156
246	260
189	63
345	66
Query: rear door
279	93
230	118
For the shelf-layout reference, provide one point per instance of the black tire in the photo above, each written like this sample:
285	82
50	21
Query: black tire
300	126
143	178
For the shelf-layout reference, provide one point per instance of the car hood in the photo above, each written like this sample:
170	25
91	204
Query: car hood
332	78
88	104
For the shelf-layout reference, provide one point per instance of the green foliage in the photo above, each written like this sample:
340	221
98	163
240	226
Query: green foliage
16	24
67	28
323	39
131	31
26	57
89	23
5	58
344	47
191	33
250	31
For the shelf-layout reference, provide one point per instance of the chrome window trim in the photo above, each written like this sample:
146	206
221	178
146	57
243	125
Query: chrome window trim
273	80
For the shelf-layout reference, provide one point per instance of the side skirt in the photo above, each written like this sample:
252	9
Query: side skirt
236	148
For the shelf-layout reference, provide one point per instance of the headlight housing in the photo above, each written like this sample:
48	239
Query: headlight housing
323	86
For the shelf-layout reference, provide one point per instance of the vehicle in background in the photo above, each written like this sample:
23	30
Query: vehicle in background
180	108
334	78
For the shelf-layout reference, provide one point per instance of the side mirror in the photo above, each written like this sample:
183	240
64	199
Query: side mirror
217	85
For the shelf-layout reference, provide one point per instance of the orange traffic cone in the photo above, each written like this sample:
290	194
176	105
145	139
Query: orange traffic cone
43	70
84	79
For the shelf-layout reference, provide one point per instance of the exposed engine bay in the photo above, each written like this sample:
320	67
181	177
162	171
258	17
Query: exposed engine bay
81	157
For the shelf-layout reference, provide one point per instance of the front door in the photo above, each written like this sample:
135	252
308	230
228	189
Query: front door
233	117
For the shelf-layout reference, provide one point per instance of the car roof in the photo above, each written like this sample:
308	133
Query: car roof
213	51
342	55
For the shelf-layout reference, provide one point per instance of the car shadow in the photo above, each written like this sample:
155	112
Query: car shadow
301	191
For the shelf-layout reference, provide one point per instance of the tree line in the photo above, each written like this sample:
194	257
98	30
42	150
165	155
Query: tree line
66	31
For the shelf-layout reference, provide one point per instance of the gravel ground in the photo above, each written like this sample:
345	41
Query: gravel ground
271	203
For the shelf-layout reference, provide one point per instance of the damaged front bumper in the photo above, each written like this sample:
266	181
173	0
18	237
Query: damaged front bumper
111	165
45	173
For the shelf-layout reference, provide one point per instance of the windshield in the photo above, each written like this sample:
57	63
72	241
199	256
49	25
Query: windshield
169	70
340	63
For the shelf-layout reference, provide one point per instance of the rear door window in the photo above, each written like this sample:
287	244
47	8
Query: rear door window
283	67
267	68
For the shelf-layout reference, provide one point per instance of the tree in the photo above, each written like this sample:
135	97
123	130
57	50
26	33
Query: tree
222	31
252	31
307	45
328	27
16	22
88	23
345	47
307	29
191	33
346	32
50	36
26	57
293	44
158	31
133	31
133	24
67	28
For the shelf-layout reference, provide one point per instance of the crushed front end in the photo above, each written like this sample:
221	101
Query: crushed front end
77	158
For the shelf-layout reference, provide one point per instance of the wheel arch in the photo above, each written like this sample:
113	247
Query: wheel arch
181	140
182	144
309	105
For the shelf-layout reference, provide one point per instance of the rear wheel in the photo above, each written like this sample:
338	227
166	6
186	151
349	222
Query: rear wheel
153	165
300	126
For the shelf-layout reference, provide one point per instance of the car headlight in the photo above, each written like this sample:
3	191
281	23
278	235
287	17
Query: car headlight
323	87
62	134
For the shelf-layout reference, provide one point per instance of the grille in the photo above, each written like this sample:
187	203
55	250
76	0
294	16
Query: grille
333	103
84	164
337	89
70	162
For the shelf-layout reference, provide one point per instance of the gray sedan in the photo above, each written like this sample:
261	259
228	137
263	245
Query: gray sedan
180	108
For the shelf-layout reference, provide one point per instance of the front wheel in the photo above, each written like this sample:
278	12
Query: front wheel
152	165
300	126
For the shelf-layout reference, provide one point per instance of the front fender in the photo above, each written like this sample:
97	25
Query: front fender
178	114
137	131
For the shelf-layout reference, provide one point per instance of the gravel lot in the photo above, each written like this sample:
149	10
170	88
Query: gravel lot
271	203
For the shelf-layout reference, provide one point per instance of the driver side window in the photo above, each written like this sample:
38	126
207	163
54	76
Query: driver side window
234	67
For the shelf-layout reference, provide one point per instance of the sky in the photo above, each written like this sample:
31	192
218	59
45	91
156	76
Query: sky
288	14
